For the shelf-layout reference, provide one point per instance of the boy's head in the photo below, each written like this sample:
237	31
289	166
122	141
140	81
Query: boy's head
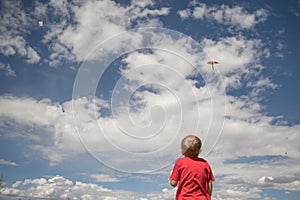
191	146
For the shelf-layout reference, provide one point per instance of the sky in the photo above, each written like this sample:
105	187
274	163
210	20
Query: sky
95	97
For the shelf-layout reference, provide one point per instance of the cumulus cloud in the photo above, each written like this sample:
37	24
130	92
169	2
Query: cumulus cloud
14	24
237	192
74	41
235	16
271	151
41	113
29	112
284	182
184	14
59	187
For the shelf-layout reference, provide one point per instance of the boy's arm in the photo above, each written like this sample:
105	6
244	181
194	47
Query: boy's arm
210	187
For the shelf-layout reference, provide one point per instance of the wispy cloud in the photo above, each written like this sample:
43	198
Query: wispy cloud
6	68
235	16
6	162
102	178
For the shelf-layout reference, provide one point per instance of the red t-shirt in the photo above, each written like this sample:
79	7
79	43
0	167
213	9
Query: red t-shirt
193	175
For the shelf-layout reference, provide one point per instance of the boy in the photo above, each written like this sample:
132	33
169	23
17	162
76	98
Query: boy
194	174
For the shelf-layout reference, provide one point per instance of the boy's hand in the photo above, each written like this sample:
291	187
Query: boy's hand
173	182
210	188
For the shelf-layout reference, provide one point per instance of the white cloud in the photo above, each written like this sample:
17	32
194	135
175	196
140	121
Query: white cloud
256	149
57	187
199	12
184	14
103	178
61	188
167	194
47	115
74	41
6	162
32	56
235	16
281	183
69	41
14	24
239	61
29	110
238	17
6	68
39	181
142	3
233	53
236	193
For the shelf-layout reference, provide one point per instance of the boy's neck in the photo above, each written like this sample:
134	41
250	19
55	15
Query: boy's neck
192	156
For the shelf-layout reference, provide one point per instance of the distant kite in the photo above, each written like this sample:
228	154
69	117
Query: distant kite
212	63
41	23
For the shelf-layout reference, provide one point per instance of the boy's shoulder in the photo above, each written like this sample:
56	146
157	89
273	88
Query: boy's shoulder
185	159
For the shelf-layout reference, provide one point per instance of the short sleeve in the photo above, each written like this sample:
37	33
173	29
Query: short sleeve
175	172
211	177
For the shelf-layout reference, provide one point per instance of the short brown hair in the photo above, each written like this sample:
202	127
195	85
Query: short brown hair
191	145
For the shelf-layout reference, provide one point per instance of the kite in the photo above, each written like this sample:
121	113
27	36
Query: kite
41	23
212	63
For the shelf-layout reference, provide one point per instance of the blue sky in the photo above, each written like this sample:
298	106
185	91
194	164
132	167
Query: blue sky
95	97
